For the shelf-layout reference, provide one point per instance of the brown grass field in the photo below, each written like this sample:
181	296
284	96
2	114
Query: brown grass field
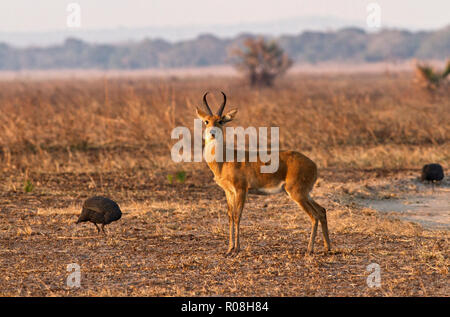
63	140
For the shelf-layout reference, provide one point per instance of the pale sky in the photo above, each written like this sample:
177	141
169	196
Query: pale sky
46	15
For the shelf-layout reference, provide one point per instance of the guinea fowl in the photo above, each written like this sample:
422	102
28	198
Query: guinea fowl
432	173
100	210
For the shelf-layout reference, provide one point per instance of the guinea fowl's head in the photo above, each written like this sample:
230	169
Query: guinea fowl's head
81	219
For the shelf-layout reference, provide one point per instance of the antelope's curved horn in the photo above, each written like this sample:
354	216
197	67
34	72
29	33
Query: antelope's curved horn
206	104
219	113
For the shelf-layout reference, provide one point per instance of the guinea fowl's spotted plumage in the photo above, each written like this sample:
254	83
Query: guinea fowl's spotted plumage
100	210
432	173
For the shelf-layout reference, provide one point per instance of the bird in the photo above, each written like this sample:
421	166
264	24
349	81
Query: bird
432	173
101	210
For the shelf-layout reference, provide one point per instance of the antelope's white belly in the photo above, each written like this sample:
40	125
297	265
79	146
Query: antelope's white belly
270	190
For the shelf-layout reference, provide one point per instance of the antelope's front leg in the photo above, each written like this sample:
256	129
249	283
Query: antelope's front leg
230	222
239	206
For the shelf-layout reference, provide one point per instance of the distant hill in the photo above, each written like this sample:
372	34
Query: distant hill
346	45
178	33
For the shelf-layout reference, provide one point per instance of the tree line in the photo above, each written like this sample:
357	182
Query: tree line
350	44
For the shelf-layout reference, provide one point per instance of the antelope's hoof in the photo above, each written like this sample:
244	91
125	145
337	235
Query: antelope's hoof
229	252
232	252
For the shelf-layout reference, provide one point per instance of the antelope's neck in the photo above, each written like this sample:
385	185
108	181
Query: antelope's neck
214	166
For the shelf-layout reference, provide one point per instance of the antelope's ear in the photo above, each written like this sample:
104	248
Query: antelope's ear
229	116
201	114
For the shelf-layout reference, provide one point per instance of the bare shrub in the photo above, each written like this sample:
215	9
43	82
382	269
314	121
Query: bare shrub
430	78
262	61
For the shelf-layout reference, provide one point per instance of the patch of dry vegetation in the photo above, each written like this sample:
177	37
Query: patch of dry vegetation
73	139
344	121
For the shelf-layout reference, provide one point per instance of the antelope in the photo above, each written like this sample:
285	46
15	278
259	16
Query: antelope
296	176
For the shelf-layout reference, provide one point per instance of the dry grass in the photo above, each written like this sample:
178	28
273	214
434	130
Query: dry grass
105	123
73	139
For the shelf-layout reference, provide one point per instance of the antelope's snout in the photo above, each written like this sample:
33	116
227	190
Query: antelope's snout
211	133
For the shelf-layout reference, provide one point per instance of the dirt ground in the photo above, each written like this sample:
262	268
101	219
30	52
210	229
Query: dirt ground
172	239
63	141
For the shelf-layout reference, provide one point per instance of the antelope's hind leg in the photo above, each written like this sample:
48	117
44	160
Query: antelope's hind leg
308	206
324	224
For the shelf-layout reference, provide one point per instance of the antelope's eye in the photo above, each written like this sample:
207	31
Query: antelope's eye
206	122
